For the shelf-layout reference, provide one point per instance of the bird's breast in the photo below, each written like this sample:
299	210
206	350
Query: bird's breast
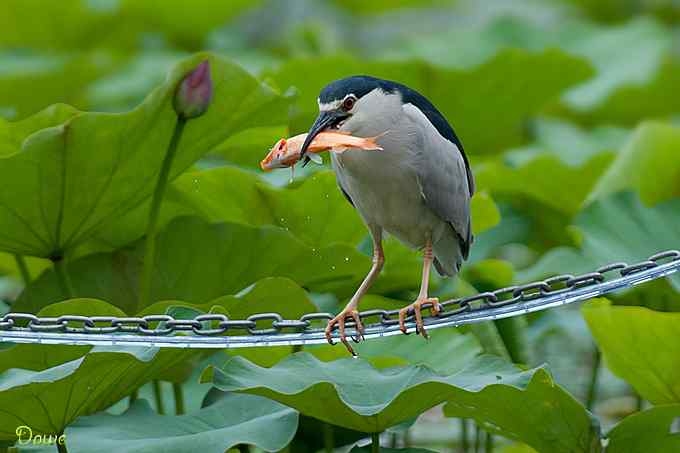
384	188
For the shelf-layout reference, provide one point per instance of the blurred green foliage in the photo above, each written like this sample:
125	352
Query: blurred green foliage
567	110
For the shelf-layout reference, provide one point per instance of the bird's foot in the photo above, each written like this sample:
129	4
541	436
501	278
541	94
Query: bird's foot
340	321
416	307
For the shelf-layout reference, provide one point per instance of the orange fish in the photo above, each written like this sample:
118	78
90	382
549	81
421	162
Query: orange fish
286	152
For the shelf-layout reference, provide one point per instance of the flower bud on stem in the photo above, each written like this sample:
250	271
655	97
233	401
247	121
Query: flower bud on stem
192	98
194	93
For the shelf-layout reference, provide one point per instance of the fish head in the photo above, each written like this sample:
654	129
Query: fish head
278	157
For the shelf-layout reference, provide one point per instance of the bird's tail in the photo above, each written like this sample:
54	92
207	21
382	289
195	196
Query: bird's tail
448	256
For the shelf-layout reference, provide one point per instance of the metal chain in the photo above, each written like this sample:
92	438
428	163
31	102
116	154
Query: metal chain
271	329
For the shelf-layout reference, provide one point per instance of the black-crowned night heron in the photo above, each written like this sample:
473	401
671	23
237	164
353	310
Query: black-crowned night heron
418	188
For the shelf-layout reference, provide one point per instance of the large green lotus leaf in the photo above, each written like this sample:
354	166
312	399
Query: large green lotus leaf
572	144
381	6
188	24
13	134
31	23
261	297
484	212
447	351
553	183
132	79
233	419
537	78
619	10
368	449
658	295
30	82
249	147
221	259
60	191
556	260
314	211
632	103
610	49
649	431
50	398
628	54
541	414
38	357
353	394
617	228
639	345
273	294
9	266
553	71
648	164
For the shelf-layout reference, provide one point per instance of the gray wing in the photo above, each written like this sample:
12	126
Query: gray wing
443	175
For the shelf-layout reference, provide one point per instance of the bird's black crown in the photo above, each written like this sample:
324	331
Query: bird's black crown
360	85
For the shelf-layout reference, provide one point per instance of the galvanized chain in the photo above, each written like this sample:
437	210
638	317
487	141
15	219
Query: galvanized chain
271	329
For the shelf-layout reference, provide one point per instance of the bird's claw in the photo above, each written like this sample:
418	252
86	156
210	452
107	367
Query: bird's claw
340	321
416	307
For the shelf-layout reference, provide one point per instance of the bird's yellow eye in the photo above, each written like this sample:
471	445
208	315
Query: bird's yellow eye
348	103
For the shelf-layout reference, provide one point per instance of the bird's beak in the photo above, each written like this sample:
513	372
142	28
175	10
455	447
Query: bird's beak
324	121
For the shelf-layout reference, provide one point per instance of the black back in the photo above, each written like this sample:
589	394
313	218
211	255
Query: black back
361	85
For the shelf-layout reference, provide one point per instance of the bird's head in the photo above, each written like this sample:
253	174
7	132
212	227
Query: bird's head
356	104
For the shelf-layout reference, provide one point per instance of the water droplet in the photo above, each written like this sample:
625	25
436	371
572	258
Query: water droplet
332	268
282	220
347	259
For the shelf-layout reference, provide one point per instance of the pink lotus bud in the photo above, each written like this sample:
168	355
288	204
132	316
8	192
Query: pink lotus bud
194	92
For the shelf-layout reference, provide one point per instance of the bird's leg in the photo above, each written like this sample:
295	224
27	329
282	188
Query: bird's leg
423	299
351	310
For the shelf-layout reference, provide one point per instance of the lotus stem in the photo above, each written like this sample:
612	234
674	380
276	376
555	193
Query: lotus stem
491	341
513	331
489	443
594	376
152	226
375	442
61	448
158	396
178	393
328	437
23	268
133	396
63	277
464	445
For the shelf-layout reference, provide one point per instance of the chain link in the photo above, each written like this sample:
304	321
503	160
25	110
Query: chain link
263	328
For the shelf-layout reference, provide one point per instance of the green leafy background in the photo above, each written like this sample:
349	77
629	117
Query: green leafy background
568	113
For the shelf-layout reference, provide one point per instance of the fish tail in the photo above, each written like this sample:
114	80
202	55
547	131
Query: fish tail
372	140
